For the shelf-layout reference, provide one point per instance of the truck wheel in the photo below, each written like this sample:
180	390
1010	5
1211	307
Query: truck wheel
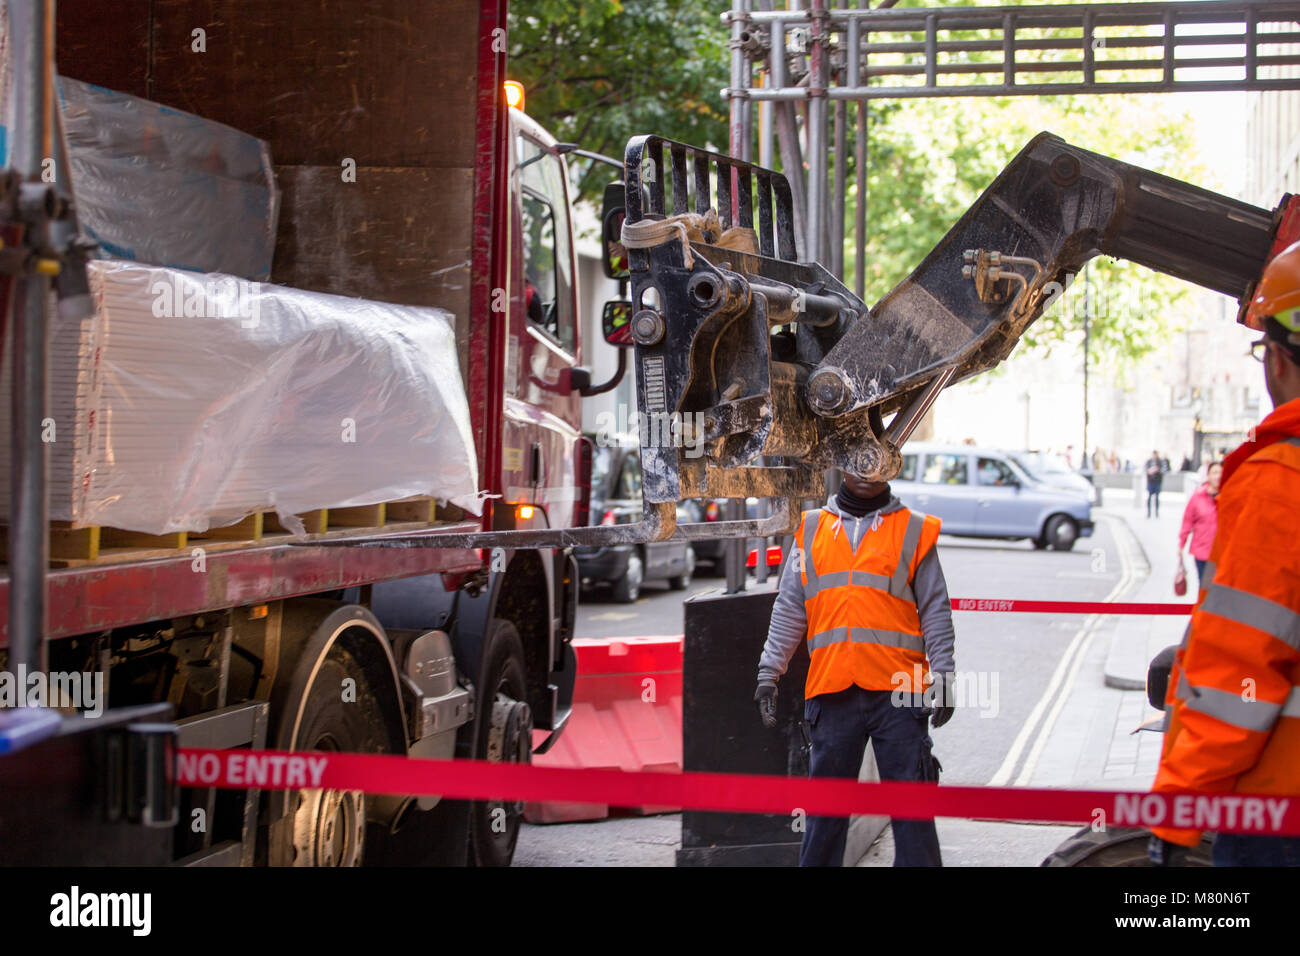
1061	532
1117	846
682	581
503	734
327	827
628	588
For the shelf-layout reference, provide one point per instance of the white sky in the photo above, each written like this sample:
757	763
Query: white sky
1220	132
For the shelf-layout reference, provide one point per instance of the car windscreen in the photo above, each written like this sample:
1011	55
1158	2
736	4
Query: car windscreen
1023	464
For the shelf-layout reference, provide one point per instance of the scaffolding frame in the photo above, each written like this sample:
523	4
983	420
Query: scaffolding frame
814	58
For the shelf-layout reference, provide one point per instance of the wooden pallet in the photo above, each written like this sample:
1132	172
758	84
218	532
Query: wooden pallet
75	547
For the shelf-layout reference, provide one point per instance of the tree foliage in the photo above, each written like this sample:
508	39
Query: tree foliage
929	161
601	71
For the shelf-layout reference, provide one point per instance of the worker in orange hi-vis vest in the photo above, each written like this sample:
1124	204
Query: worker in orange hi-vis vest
865	589
1234	689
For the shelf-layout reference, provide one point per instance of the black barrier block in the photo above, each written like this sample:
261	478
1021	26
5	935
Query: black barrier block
721	730
55	795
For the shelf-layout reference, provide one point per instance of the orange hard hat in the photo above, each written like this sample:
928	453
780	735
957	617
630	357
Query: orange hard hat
1277	296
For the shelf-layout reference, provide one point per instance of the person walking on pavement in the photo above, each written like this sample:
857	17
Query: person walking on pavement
1201	519
1234	688
1155	470
866	591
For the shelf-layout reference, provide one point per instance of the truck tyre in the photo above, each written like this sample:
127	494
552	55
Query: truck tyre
327	827
1061	532
628	588
682	581
503	734
1116	846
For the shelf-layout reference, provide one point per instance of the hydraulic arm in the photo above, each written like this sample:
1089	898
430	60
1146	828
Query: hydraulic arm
776	371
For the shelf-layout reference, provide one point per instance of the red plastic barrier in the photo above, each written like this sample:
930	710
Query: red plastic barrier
627	715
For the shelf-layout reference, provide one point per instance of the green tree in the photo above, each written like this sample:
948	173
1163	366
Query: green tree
931	159
601	71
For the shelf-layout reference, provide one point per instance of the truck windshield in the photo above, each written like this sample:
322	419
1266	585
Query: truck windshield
545	223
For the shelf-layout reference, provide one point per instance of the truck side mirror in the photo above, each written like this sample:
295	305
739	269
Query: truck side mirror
616	322
614	261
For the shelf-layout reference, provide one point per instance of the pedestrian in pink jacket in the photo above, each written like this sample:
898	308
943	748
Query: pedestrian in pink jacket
1201	520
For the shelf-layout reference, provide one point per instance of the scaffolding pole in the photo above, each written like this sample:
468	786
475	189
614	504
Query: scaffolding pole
32	23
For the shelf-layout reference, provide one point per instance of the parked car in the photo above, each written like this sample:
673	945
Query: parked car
616	499
984	493
1054	470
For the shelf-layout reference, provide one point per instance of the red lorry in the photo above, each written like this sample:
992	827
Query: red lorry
457	201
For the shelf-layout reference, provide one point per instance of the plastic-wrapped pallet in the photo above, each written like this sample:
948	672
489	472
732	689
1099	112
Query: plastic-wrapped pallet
68	431
200	399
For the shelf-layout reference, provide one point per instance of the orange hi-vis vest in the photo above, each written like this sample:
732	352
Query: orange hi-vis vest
1234	689
863	625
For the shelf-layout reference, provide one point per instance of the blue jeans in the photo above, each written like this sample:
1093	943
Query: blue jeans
1240	849
1200	570
840	725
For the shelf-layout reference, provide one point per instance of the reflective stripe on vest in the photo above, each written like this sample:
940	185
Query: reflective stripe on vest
1256	715
897	585
1242	607
865	635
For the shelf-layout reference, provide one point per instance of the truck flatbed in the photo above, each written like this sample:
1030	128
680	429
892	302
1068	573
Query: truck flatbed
126	585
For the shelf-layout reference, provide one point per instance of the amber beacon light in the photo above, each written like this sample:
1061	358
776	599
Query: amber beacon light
514	94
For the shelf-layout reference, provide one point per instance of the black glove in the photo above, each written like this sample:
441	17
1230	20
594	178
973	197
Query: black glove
1164	853
766	698
945	703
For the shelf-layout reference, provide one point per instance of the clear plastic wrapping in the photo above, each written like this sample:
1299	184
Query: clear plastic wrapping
162	186
195	400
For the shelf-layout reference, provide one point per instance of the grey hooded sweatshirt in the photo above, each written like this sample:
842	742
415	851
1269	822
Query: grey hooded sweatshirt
789	623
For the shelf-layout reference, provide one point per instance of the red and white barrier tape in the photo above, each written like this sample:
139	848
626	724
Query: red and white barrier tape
1067	607
743	793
